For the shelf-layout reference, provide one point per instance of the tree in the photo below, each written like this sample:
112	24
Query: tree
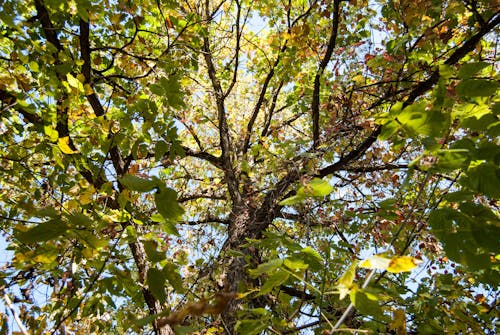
244	166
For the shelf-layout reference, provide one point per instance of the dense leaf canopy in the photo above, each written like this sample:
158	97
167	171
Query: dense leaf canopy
250	167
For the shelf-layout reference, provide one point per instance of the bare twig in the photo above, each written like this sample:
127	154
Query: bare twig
19	323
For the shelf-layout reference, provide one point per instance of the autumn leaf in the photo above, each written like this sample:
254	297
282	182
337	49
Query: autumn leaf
403	264
395	264
64	144
376	262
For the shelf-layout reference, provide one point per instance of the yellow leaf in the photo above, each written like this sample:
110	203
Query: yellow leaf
376	262
80	77
85	198
72	205
214	331
403	264
395	264
426	18
63	144
359	79
45	258
88	89
72	81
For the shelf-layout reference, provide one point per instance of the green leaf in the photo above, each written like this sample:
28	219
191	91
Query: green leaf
170	228
250	327
315	188
484	178
459	196
183	330
476	88
157	218
92	240
266	268
276	279
166	203
389	125
292	200
469	235
312	258
44	231
161	148
79	220
468	70
417	119
151	251
143	321
490	152
135	183
83	10
156	283
453	159
485	225
167	225
157	89
387	204
169	88
295	263
366	303
171	273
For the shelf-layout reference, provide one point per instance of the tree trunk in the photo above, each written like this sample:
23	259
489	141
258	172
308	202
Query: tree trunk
154	305
243	225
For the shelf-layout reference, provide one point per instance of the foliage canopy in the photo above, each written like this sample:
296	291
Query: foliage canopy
250	167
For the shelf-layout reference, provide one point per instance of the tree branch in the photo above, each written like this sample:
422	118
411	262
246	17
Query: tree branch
86	67
351	156
224	138
215	161
61	105
272	109
236	49
201	196
19	323
322	66
260	101
208	219
297	293
47	26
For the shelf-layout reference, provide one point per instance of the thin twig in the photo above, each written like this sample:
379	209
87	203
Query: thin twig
9	304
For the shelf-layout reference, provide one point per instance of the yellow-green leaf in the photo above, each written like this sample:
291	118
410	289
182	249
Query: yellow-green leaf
63	144
51	133
73	82
345	282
